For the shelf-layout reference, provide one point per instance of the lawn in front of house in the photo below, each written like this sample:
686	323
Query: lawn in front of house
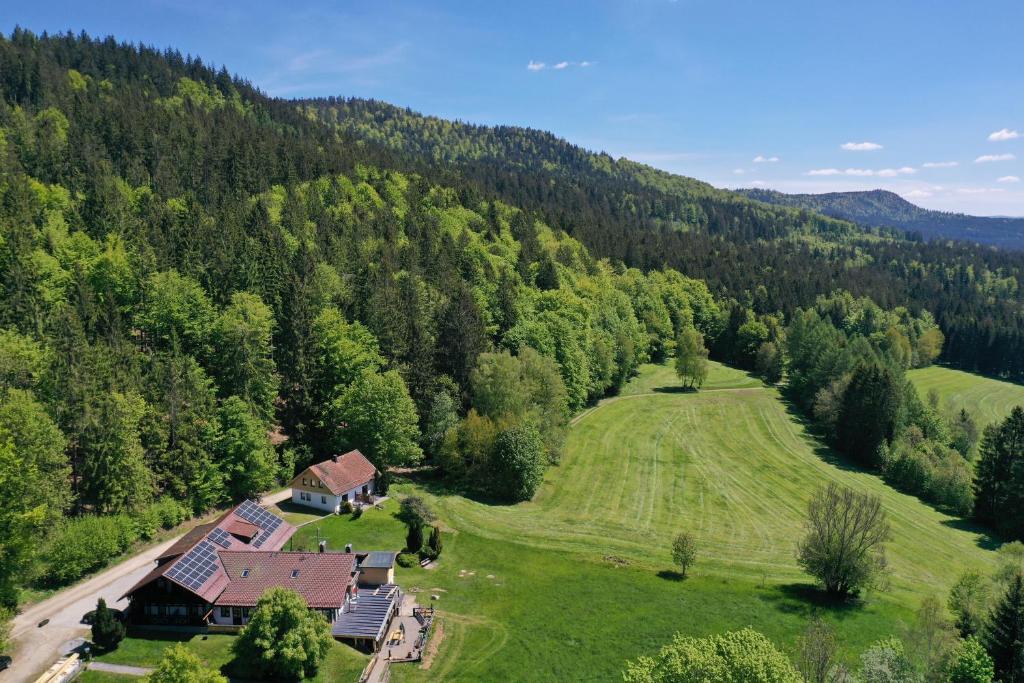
90	676
146	649
296	514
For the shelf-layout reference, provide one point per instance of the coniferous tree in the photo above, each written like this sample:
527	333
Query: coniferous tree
999	482
1004	638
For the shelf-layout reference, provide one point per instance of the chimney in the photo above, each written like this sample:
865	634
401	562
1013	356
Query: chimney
323	546
348	547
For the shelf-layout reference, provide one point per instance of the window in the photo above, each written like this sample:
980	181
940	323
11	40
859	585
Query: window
320	484
245	573
225	612
303	481
323	499
295	573
344	498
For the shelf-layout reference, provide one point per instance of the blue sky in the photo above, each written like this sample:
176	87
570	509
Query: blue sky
930	94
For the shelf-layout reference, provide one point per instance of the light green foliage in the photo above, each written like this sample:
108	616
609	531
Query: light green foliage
886	662
684	551
343	351
176	308
970	599
744	656
181	665
243	359
22	360
376	415
517	464
969	663
21	516
691	358
41	447
244	454
284	639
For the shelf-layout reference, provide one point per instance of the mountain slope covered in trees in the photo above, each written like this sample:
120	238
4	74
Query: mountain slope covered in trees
883	209
187	265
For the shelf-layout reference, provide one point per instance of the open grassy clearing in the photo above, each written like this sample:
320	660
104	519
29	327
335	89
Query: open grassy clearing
989	400
90	676
574	583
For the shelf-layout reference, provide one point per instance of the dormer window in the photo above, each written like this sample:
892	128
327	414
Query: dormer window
295	573
245	573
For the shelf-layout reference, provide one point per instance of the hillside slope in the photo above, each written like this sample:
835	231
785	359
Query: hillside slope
880	208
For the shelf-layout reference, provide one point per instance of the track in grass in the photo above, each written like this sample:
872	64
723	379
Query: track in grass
989	400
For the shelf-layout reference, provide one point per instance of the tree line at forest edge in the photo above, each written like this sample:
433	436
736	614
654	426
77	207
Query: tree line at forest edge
187	265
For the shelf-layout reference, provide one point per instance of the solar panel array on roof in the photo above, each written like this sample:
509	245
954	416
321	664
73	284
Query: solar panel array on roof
253	513
220	537
195	567
367	618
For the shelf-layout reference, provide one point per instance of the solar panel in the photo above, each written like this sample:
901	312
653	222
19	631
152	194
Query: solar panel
220	537
254	514
195	567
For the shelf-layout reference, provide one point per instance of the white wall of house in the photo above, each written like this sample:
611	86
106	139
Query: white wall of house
351	495
322	500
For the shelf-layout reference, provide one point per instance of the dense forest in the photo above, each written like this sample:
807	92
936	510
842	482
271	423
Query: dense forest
205	288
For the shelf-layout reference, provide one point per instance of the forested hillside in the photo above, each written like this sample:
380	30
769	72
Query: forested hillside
880	208
775	258
204	288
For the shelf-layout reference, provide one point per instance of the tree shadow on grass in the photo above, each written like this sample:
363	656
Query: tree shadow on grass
987	540
676	390
434	483
671	575
815	439
807	599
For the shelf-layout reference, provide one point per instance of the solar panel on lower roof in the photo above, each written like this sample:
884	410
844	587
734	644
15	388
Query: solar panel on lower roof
195	567
220	537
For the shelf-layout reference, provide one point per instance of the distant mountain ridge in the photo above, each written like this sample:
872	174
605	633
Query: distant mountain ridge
881	208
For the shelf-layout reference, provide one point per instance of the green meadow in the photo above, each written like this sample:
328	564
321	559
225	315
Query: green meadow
575	582
988	400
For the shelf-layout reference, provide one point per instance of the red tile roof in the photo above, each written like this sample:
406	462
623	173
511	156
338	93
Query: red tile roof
345	472
323	579
216	582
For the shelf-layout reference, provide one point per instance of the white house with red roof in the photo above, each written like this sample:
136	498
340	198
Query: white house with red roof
328	485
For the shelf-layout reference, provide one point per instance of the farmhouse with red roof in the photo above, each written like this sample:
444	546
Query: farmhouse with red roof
328	485
215	574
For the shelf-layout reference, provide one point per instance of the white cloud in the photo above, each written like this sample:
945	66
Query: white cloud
917	194
1003	135
558	66
1009	179
940	164
761	159
994	157
758	183
864	172
739	171
860	146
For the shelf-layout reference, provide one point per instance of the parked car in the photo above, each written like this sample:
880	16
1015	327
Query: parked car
5	662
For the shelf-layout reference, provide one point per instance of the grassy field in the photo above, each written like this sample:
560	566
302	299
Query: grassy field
89	676
577	581
989	400
147	649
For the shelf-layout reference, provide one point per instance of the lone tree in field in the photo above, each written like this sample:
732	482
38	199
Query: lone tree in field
684	551
285	639
844	547
691	358
107	631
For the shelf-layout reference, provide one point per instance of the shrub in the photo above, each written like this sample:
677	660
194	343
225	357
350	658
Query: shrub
738	656
107	631
84	544
407	560
414	539
180	665
435	543
969	663
357	512
346	508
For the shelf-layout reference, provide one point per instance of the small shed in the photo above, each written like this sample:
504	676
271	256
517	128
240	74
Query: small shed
376	568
